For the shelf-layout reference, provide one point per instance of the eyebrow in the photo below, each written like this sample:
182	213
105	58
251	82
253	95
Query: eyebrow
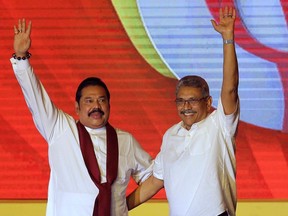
102	96
188	98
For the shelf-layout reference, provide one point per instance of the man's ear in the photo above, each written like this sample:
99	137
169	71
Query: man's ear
209	103
77	108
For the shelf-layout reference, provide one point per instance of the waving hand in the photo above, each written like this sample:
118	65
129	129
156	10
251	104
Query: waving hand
22	40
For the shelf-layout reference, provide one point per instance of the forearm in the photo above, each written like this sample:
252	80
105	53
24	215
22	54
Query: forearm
229	92
41	107
144	192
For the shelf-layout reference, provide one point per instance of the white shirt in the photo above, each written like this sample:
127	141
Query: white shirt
198	166
71	191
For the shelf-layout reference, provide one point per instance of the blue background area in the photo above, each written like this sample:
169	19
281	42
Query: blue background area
185	39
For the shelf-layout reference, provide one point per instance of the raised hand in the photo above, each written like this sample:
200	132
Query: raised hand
22	40
226	22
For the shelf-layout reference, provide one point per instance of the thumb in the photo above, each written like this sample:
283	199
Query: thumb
214	24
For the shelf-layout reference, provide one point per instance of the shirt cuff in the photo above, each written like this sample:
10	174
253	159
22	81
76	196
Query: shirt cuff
20	64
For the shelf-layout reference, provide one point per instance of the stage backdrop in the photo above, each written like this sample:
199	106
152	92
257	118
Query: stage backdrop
140	49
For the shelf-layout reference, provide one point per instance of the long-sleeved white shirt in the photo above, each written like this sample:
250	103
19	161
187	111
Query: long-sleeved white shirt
71	191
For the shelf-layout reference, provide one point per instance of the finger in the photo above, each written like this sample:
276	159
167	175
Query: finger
230	11
23	26
214	24
19	25
28	31
234	14
225	10
220	13
15	30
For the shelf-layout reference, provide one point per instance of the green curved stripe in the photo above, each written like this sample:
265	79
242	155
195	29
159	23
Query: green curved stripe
128	13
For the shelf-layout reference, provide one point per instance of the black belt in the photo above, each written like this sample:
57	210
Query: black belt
224	214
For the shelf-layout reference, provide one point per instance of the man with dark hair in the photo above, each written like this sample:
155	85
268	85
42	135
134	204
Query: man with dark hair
91	162
197	163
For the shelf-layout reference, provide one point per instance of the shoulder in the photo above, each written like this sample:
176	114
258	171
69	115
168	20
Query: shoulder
173	129
125	137
121	132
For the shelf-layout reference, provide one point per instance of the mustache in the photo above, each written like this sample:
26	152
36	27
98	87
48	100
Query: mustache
189	111
96	110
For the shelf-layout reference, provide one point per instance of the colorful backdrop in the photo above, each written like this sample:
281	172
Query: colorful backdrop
140	49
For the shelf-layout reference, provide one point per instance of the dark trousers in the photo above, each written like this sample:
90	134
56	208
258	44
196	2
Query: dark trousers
224	214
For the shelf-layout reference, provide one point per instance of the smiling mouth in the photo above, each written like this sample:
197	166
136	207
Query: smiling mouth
188	112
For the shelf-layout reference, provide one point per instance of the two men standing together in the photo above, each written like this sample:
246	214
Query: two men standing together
91	162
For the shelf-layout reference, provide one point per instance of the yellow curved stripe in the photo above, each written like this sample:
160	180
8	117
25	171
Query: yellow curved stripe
129	15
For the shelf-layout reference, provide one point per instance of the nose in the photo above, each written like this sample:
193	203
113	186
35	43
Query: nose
186	105
96	104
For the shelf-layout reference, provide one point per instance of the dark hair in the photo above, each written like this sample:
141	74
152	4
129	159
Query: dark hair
195	82
91	81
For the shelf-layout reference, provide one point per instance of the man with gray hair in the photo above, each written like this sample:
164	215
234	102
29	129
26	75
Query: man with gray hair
196	164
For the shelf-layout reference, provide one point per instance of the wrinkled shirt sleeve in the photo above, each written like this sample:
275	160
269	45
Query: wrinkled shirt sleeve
43	111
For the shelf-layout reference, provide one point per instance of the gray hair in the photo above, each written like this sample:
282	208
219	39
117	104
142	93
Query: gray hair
195	82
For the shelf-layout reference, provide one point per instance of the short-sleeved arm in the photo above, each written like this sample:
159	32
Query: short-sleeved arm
228	122
158	167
